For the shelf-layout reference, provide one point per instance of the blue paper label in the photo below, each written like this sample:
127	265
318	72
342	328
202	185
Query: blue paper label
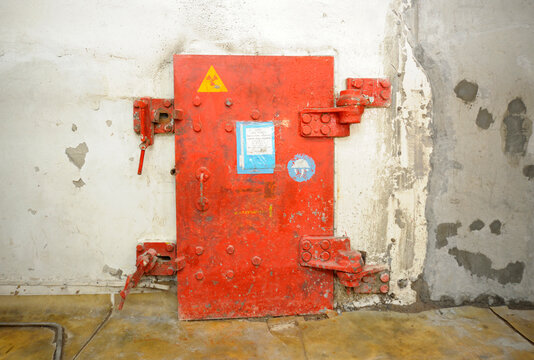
255	147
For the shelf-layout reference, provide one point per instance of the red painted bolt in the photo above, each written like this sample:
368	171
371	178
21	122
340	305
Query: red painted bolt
169	247
325	118
197	127
306	245
255	114
256	261
228	102
306	130
199	250
140	248
384	94
306	256
325	255
170	271
168	127
366	279
325	130
228	127
140	104
384	289
199	276
384	278
229	274
166	103
230	249
306	118
385	83
137	127
197	101
357	83
325	244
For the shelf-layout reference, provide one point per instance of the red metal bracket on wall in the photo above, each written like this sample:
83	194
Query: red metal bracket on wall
152	258
335	121
150	117
334	253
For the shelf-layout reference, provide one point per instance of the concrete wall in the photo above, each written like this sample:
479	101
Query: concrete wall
73	208
479	56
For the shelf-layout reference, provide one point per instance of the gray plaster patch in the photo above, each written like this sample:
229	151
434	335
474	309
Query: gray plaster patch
77	155
108	123
516	129
528	171
36	168
476	225
402	283
495	227
78	183
517	106
480	265
74	127
466	90
33	212
444	231
399	219
112	271
484	119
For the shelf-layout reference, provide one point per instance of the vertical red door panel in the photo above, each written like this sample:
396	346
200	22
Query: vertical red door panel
240	232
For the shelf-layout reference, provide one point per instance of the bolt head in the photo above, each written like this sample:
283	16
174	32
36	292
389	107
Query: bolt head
325	255
256	260
197	127
384	289
357	83
306	130
325	129
140	247
255	114
228	127
166	103
325	244
199	250
384	278
170	271
199	275
384	94
228	102
306	245
325	118
306	118
169	247
229	274
306	256
197	101
385	83
230	249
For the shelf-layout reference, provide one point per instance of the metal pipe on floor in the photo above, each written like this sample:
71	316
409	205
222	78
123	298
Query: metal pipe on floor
58	330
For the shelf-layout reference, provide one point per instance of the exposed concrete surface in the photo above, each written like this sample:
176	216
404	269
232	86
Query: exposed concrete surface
148	328
487	131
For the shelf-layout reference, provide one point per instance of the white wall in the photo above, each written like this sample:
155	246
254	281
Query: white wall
70	65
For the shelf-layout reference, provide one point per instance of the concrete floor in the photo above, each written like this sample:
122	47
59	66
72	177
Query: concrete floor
148	328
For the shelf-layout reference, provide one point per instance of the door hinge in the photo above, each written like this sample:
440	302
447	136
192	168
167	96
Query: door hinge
335	253
150	117
335	121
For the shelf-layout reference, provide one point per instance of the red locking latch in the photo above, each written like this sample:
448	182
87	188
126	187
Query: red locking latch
334	253
153	116
335	121
153	258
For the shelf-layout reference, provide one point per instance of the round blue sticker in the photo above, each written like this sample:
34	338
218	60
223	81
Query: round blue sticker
301	168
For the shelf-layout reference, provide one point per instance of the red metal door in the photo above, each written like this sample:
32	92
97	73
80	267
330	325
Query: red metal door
239	232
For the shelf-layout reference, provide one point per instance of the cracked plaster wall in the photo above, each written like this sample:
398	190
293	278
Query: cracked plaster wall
479	56
73	207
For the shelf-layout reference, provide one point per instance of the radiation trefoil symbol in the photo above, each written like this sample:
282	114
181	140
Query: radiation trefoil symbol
301	168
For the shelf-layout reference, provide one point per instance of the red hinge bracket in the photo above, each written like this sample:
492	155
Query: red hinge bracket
335	121
152	258
334	253
150	117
